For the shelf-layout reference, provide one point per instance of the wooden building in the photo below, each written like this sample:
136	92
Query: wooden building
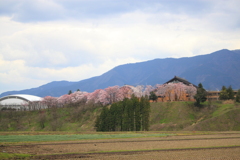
176	89
173	93
214	95
176	79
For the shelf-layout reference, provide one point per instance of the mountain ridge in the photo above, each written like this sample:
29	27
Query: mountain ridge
212	70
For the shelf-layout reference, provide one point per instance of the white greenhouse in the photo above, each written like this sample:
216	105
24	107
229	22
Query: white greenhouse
21	102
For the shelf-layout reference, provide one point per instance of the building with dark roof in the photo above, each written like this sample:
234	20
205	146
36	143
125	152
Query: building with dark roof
176	79
170	91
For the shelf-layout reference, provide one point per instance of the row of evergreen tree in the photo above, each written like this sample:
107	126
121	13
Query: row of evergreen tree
226	93
127	115
237	99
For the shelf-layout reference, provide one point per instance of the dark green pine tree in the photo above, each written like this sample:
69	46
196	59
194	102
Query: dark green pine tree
97	123
201	95
125	120
69	92
238	96
118	115
153	96
223	94
137	115
125	117
103	122
112	119
230	93
131	112
145	104
115	116
141	106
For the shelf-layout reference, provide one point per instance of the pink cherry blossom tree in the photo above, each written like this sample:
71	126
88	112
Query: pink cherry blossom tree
191	91
112	92
78	97
64	100
161	90
50	102
103	97
92	97
138	90
147	90
179	90
124	92
170	91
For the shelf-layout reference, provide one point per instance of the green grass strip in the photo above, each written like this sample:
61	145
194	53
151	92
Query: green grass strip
14	156
44	138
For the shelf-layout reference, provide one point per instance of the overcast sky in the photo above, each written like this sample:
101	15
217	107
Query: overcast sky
51	40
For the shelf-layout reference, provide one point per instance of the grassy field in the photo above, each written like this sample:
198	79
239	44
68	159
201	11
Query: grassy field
177	116
126	145
28	137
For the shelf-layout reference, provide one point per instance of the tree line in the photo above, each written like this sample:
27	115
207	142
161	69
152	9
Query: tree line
228	94
225	94
112	94
127	115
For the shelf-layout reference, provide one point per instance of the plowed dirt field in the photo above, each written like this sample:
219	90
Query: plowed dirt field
214	146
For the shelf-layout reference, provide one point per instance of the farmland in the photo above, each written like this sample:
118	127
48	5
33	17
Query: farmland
178	130
122	145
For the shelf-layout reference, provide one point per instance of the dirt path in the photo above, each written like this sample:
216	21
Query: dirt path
197	154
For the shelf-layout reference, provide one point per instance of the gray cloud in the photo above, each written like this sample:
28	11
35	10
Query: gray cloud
32	11
43	41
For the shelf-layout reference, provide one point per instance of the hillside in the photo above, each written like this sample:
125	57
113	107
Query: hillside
184	116
212	70
168	116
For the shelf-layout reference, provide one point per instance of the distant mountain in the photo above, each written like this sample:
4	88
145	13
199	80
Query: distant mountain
44	90
212	70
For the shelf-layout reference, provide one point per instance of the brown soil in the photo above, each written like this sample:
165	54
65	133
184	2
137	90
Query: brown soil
172	147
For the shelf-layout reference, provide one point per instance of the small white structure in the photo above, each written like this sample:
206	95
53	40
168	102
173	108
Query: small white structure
21	102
